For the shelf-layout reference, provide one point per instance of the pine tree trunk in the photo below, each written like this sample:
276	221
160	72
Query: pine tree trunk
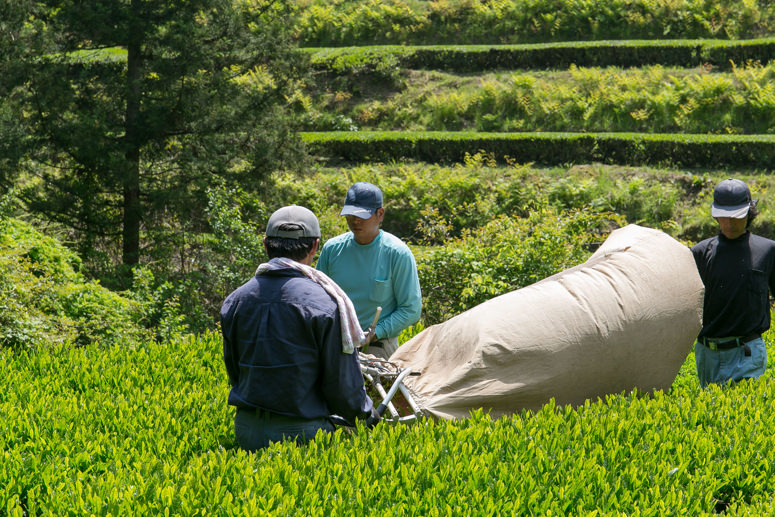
131	192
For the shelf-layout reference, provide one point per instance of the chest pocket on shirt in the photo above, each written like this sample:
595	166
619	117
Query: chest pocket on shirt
381	290
758	283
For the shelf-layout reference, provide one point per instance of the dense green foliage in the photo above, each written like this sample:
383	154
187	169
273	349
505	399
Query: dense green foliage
352	22
45	300
145	430
429	204
651	99
373	61
123	151
504	255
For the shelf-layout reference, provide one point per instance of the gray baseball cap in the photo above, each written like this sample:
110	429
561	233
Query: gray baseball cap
731	198
362	200
306	221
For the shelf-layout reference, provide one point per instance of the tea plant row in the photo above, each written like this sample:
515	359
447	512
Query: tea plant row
678	150
145	430
651	99
378	60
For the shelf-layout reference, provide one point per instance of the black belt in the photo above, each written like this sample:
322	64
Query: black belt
258	411
727	344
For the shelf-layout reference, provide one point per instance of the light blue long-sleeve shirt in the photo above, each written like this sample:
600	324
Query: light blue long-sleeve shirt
382	273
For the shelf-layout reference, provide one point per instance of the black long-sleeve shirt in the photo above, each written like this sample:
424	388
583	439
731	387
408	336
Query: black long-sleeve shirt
282	347
738	275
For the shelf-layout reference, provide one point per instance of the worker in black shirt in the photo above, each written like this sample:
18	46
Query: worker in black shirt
738	270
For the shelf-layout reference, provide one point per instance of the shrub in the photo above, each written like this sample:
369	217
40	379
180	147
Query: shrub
346	23
504	255
45	299
652	99
679	150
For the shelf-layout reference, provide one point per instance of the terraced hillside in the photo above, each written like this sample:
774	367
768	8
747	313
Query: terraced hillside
712	101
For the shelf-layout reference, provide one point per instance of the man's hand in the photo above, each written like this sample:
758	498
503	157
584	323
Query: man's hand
371	336
372	420
371	332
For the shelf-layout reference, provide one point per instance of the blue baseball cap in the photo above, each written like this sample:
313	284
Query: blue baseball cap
731	198
363	199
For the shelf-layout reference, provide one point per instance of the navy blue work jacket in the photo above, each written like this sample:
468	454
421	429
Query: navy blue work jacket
282	346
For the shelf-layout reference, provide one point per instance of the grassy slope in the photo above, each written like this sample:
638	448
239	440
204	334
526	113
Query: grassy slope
649	99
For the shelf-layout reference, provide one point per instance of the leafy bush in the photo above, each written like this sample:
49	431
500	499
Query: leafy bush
504	255
652	99
45	299
346	23
681	150
339	22
353	69
183	288
363	61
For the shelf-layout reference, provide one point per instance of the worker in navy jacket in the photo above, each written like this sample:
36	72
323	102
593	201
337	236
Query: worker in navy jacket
283	343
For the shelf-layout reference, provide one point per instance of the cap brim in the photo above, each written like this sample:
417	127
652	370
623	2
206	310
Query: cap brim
357	211
735	212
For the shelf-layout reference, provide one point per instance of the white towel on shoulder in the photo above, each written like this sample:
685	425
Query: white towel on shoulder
352	334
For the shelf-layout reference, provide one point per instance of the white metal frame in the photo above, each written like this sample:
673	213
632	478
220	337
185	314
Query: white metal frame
377	372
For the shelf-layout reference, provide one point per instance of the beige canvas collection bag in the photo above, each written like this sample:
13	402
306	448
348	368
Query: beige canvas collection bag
626	318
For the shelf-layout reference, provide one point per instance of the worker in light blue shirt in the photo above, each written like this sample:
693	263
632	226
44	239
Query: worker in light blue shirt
374	268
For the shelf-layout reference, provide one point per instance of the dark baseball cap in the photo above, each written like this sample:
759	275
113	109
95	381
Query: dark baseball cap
303	218
363	199
731	198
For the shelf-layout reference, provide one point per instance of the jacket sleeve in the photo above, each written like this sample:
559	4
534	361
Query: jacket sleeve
406	286
342	381
771	282
230	358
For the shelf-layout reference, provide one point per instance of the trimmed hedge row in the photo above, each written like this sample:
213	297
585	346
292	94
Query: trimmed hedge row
478	58
752	151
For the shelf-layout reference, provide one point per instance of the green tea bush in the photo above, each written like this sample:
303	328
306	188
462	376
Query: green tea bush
145	430
45	299
358	70
652	99
348	23
676	150
365	62
504	255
